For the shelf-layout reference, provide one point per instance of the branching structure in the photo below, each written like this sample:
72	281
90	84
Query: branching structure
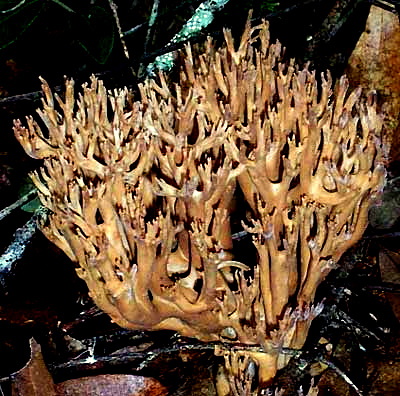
143	195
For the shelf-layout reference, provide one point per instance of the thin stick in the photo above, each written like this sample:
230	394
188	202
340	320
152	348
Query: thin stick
342	374
114	8
16	249
27	197
153	16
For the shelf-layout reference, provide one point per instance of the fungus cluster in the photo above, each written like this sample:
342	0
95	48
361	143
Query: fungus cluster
145	196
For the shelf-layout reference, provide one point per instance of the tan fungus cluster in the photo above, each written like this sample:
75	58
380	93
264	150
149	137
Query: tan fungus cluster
143	196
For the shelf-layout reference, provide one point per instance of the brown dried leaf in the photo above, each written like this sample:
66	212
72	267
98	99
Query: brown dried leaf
374	64
389	263
111	385
34	379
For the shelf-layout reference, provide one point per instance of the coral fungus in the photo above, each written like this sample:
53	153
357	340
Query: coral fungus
144	196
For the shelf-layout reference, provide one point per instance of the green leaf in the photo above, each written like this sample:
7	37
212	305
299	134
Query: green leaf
27	186
268	6
16	17
31	206
96	33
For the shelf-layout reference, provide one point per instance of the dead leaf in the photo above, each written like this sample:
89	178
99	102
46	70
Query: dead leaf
389	263
34	379
385	214
111	385
375	64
